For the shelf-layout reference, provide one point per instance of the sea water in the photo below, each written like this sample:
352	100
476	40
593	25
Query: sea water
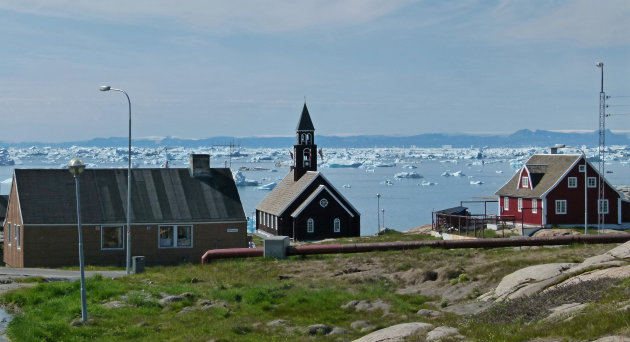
403	204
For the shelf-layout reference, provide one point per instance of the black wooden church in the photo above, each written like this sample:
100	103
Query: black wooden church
305	205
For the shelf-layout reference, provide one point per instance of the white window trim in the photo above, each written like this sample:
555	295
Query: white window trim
122	237
525	182
582	168
572	182
561	212
310	225
18	236
275	222
9	227
594	179
506	203
520	205
337	225
606	205
175	235
534	206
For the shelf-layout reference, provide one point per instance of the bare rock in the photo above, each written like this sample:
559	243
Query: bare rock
612	272
318	329
396	332
277	322
613	339
440	333
366	305
356	325
186	310
171	299
527	281
338	331
565	309
114	305
429	313
470	308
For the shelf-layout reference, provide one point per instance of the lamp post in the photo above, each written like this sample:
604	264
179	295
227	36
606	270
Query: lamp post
378	212
383	211
585	184
128	258
76	167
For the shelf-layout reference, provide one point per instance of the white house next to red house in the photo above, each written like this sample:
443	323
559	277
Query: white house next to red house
549	191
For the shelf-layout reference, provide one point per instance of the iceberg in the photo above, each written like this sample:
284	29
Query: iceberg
401	175
428	183
342	163
476	182
240	180
458	174
268	186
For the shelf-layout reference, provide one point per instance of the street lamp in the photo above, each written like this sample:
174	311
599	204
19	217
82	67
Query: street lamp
383	211
76	167
108	88
378	212
585	184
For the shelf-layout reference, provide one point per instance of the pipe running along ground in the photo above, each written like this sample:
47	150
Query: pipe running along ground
404	245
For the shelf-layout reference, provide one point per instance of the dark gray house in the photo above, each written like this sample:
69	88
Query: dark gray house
305	205
176	215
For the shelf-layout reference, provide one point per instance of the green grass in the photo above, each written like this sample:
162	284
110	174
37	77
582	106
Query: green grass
301	290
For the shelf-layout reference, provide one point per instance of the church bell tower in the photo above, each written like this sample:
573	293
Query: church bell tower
305	150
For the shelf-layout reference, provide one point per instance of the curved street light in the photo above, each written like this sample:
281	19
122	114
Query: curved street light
128	258
76	167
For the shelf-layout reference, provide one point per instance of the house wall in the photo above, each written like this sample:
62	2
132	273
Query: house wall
625	211
526	216
55	246
11	254
575	201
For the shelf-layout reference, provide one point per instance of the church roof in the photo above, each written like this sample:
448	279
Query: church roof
305	123
285	193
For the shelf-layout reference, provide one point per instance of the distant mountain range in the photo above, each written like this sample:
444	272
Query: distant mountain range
522	138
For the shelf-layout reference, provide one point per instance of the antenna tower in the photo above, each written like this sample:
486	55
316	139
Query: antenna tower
602	146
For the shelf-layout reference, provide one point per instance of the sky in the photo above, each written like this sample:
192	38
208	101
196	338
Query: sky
197	69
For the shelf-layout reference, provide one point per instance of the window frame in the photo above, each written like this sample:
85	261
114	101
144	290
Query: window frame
9	235
605	204
582	168
506	203
534	206
562	205
525	182
337	225
594	182
18	236
572	182
175	234
519	206
310	225
122	238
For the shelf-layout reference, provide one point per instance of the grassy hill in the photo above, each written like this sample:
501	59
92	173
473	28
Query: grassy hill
324	298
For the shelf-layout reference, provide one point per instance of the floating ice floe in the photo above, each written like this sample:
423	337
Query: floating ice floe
387	182
268	186
428	183
499	171
401	175
409	167
347	186
240	180
476	182
458	174
342	163
446	174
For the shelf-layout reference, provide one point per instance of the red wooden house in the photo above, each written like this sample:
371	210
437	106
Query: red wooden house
549	191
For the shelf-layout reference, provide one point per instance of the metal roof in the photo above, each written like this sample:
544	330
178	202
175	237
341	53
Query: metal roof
286	192
47	196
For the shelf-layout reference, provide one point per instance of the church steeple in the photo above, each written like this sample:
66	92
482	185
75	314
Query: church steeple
305	148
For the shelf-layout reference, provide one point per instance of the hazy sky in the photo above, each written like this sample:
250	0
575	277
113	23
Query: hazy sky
243	67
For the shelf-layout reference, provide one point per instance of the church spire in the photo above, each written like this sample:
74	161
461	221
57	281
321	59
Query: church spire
305	123
305	149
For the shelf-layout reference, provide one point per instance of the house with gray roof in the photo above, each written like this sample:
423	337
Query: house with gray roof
549	190
305	205
177	214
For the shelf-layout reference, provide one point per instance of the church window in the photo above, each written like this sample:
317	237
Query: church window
307	157
308	138
337	225
303	138
310	225
323	202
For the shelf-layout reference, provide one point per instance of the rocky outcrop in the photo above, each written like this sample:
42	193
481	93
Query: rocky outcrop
396	333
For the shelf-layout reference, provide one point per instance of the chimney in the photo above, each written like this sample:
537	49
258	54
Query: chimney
199	165
553	150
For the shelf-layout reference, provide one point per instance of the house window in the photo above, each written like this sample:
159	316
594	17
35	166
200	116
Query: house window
9	227
561	207
525	182
310	225
582	168
175	236
592	182
260	217
112	237
18	237
603	206
572	182
275	224
520	205
534	206
337	225
506	203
